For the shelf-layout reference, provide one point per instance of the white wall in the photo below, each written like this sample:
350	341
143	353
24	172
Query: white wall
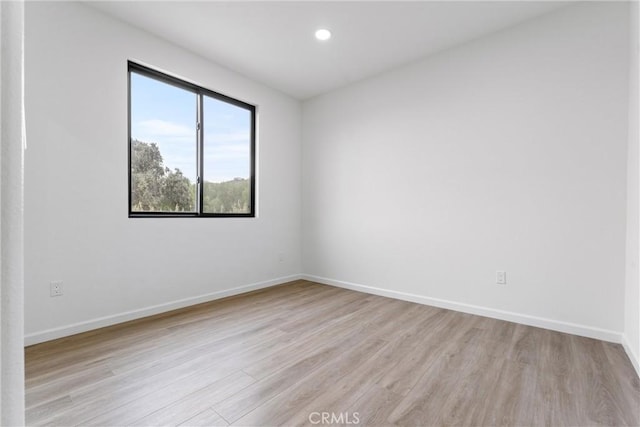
632	293
77	229
11	214
506	153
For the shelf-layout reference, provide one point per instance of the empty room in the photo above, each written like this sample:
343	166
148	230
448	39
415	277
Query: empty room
292	213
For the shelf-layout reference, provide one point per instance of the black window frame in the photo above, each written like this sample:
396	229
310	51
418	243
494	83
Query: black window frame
200	92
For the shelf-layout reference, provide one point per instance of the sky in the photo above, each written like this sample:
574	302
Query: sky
166	115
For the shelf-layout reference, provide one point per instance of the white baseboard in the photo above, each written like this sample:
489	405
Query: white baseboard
554	325
635	360
88	325
571	328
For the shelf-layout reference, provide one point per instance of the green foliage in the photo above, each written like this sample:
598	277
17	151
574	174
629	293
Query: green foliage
227	197
155	187
146	158
146	191
176	192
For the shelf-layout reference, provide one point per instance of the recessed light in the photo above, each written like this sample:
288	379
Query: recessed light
323	34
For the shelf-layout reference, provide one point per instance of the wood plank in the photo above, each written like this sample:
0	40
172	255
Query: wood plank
339	397
373	408
253	396
281	406
206	418
164	397
510	402
184	409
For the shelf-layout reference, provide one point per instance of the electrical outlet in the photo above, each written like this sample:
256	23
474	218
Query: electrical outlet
56	288
501	277
281	257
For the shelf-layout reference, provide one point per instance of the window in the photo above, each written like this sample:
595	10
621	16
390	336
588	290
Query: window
191	150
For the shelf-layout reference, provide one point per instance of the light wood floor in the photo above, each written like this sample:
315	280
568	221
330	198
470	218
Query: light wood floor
279	355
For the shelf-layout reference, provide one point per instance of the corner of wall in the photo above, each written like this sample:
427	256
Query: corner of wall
631	337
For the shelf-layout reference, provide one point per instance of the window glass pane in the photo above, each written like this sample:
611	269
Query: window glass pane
163	146
226	158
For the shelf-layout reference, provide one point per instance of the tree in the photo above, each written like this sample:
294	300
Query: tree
176	192
227	197
146	157
154	187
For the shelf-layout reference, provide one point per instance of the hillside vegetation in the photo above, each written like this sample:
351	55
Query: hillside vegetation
156	188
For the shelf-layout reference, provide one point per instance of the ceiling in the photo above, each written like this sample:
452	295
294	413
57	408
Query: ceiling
273	42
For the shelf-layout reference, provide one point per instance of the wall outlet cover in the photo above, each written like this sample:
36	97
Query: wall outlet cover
501	277
55	288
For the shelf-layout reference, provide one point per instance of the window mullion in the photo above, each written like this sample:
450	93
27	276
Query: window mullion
200	156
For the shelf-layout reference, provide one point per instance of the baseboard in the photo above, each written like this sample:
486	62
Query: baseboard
571	328
635	360
76	328
554	325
